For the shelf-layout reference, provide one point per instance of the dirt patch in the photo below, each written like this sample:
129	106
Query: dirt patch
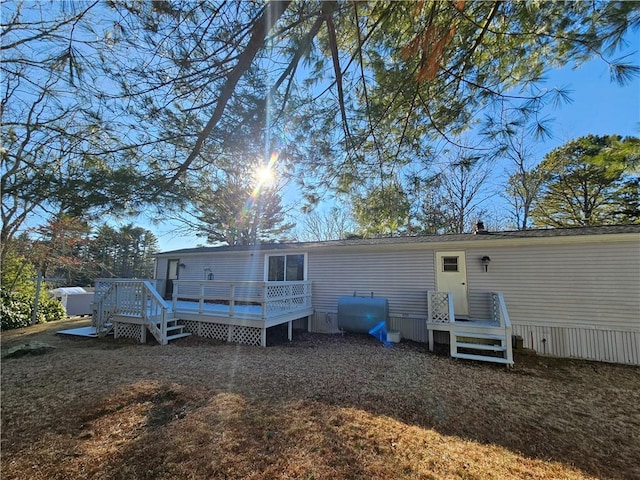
319	407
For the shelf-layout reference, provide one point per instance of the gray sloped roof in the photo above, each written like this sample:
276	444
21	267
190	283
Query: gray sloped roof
534	233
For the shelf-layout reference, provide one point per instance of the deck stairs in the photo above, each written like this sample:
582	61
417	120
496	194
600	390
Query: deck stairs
173	329
135	303
480	340
485	342
104	329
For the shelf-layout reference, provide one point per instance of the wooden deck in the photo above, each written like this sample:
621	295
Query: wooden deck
238	312
241	312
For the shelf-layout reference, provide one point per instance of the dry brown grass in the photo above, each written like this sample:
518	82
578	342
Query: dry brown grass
320	407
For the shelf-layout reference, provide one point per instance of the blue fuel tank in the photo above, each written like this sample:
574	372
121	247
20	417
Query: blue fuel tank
361	314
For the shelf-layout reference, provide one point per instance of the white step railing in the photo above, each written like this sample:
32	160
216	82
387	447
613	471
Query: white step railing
474	335
501	316
131	298
440	307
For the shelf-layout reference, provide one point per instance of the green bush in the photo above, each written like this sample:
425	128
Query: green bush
51	309
16	309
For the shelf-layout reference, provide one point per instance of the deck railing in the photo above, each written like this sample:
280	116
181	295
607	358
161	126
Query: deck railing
130	298
440	307
501	316
250	300
103	284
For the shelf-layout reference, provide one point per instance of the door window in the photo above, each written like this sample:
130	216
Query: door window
450	264
172	272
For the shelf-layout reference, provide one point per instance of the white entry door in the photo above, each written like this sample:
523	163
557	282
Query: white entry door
451	276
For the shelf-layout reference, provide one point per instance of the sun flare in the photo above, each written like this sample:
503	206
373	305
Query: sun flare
265	175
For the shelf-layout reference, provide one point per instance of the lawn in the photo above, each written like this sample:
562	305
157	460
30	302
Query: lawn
321	407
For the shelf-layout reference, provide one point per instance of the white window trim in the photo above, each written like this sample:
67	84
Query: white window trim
268	255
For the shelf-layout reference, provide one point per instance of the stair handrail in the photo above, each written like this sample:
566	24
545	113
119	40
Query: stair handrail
435	312
499	310
155	306
501	315
103	307
150	306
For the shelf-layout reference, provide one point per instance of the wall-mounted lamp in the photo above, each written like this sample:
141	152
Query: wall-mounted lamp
182	265
485	262
208	274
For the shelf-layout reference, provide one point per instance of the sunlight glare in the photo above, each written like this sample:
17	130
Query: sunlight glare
265	175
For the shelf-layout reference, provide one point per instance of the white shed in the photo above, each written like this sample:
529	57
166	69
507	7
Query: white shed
75	300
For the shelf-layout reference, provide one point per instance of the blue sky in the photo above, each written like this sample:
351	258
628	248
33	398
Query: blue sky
598	107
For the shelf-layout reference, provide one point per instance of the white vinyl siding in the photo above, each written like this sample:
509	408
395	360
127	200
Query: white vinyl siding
243	266
576	284
570	300
572	296
402	277
568	285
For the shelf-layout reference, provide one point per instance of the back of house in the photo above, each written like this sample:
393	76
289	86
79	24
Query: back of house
572	292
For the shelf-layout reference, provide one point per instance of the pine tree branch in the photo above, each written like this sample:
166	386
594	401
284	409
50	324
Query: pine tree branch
270	16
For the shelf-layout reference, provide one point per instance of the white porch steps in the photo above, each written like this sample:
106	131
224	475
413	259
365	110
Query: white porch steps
107	329
174	330
482	340
477	342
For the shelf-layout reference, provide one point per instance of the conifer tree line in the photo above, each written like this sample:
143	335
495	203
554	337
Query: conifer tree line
72	253
67	252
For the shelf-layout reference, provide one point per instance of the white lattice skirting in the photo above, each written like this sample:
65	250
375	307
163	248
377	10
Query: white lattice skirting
128	330
225	333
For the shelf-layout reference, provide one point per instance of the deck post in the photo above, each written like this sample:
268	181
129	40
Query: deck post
174	296
263	337
430	332
290	330
232	298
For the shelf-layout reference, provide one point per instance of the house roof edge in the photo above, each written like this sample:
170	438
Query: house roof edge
420	239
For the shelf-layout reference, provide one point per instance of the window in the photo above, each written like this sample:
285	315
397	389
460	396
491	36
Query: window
276	269
285	268
449	264
295	267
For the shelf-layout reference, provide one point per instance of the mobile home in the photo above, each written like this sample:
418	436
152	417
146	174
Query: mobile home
571	292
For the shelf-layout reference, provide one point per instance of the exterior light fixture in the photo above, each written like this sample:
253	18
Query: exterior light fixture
182	265
485	262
